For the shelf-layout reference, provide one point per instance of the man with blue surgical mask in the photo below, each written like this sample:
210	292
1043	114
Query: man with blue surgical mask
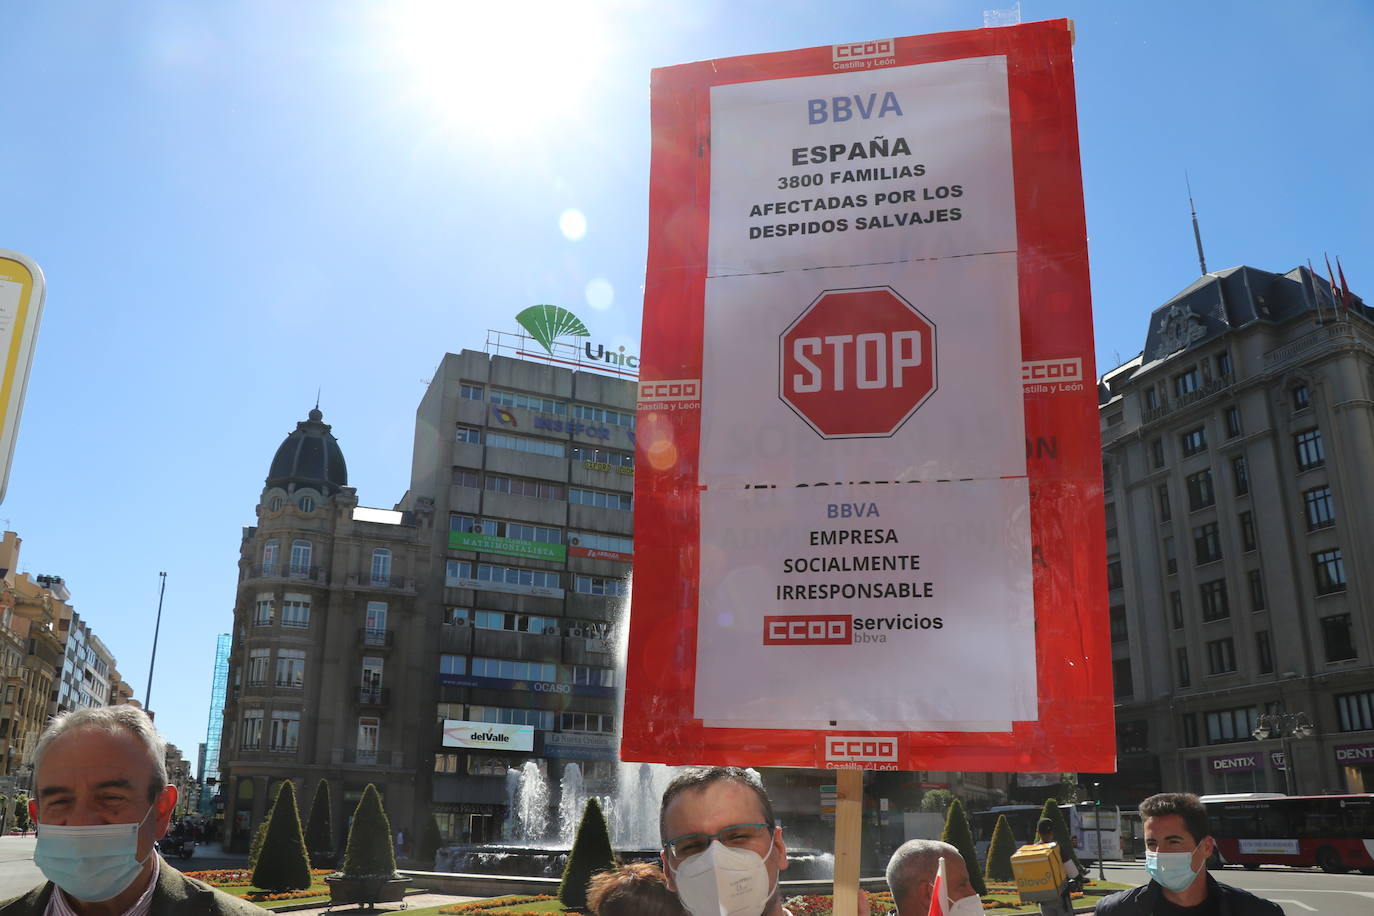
722	848
1177	846
101	800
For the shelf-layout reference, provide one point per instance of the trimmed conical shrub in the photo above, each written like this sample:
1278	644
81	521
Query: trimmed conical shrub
430	841
958	835
283	864
370	852
999	851
1061	831
591	853
319	827
260	834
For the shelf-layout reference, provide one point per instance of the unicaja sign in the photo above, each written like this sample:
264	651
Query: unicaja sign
548	325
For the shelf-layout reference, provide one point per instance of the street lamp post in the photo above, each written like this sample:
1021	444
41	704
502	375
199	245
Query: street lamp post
1097	828
1284	726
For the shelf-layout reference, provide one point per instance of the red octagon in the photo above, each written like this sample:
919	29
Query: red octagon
857	363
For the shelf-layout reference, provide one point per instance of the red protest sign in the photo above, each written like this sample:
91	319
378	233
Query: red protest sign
868	490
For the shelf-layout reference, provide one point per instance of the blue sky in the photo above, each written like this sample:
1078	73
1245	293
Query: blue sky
239	203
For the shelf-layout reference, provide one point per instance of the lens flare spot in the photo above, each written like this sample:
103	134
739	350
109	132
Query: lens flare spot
572	224
662	454
600	294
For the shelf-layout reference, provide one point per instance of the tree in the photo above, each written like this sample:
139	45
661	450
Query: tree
591	853
319	828
21	811
958	835
1061	831
430	841
283	864
260	834
999	851
371	852
937	801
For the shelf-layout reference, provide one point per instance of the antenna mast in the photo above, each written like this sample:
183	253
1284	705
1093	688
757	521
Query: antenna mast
1197	233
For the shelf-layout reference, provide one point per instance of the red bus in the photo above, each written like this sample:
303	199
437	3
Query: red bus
1334	832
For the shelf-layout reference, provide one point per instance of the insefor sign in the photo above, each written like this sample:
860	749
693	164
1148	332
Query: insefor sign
857	363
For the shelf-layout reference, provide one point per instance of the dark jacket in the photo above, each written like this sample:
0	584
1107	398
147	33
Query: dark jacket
1140	901
176	895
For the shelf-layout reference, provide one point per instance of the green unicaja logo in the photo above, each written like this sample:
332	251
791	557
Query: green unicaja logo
547	323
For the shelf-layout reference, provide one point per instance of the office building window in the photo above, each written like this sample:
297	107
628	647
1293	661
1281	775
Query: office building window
1329	569
599	498
1256	590
286	731
453	664
603	415
1206	544
459	616
590	541
258	660
1214	603
262	611
1113	574
538	718
251	739
295	611
290	668
518	623
457	574
526	444
271	556
464	478
1302	398
1240	473
369	738
1189	730
461	522
583	676
1231	725
1194	441
1232	422
587	722
1166	512
1185	678
1221	656
1116	615
301	552
1121	677
447	763
1264	652
469	434
1321	510
1149	398
1223	364
1338	638
1247	531
381	567
595	585
1186	382
1200	494
470	392
529	402
1176	609
1355	711
603	456
1311	451
1170	557
511	670
514	575
519	486
1157	453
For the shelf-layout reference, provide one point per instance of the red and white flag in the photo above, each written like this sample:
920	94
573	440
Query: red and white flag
939	897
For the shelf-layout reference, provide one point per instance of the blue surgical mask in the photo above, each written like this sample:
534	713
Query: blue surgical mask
1171	870
90	863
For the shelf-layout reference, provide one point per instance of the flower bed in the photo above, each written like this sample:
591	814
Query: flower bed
239	877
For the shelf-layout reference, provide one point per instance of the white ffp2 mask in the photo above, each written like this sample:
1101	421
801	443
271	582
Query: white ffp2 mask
723	881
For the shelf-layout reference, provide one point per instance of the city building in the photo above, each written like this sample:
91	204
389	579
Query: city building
87	666
214	728
1238	538
469	631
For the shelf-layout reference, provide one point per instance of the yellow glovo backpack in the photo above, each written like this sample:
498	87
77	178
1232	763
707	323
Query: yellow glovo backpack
1039	872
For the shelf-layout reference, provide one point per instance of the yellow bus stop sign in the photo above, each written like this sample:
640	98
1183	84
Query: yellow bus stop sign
21	305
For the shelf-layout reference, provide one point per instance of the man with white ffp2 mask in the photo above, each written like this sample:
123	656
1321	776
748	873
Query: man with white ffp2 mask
911	877
1177	846
722	849
101	800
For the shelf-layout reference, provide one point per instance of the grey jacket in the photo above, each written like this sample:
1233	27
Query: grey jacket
175	895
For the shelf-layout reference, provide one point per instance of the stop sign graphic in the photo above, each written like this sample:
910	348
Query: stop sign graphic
857	362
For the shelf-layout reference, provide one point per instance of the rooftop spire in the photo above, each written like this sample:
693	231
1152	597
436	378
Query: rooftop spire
1197	233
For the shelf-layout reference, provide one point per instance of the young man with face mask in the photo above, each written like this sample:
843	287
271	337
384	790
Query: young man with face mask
911	878
722	848
1177	846
101	800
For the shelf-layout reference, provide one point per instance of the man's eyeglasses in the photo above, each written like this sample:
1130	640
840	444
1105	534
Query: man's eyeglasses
737	836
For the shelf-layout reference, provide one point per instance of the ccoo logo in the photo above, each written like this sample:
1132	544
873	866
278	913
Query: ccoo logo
860	50
859	749
808	630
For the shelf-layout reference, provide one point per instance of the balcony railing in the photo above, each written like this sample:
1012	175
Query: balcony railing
293	623
251	746
367	758
1220	383
279	571
367	580
375	636
374	696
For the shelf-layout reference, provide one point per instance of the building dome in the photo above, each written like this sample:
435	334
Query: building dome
310	457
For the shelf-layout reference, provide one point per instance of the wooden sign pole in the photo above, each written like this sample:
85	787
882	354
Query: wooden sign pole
849	802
